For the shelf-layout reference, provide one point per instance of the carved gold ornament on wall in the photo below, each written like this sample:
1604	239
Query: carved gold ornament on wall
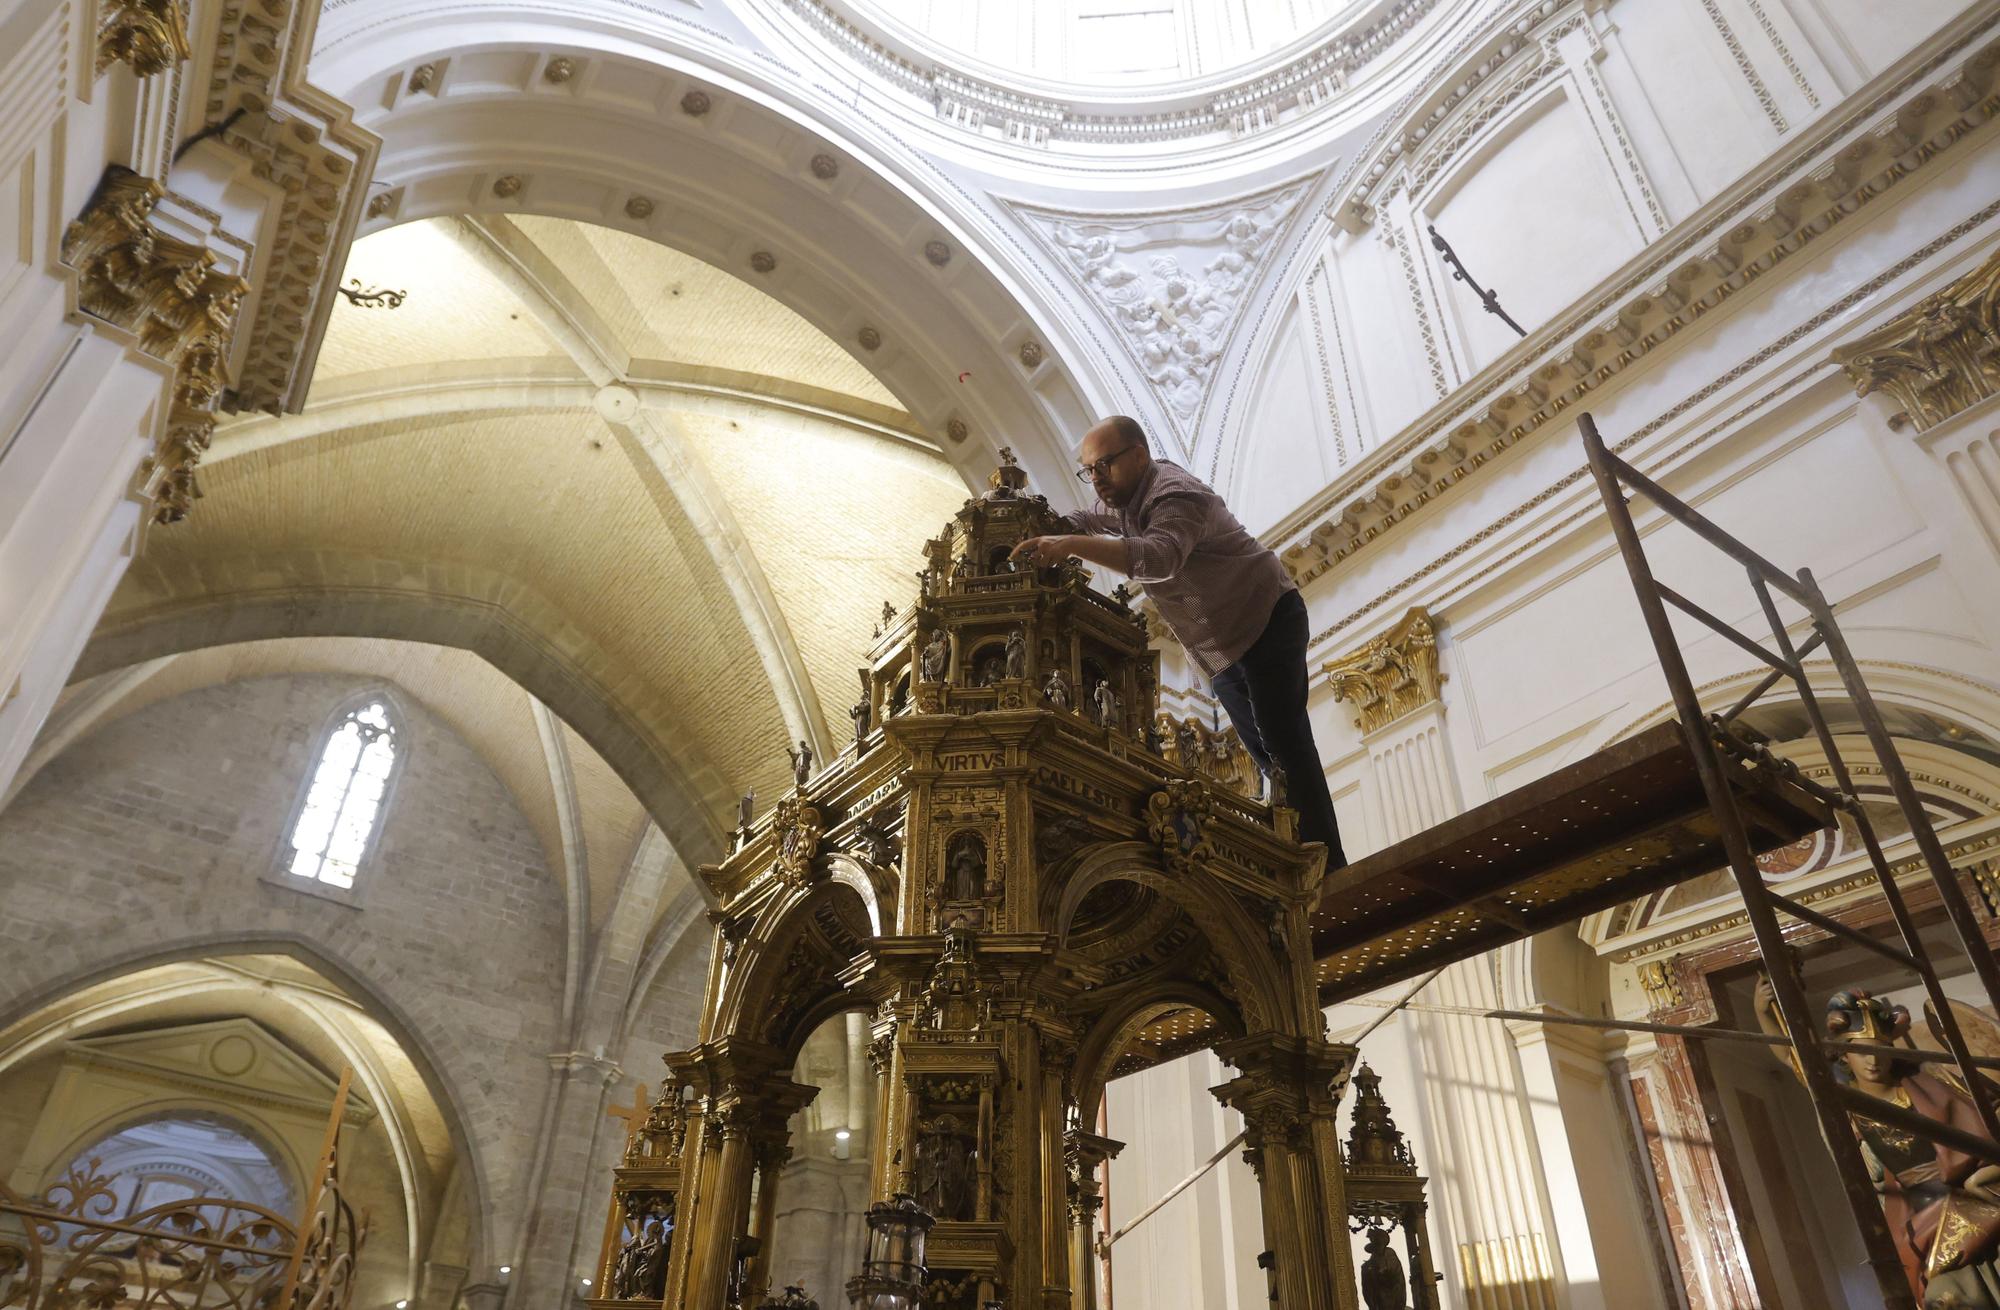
1661	985
181	308
1391	674
1177	819
1940	357
150	35
799	828
1209	749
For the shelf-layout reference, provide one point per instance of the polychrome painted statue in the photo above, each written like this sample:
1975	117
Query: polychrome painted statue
1943	1206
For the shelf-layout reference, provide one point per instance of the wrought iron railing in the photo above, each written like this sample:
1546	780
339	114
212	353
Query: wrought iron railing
68	1249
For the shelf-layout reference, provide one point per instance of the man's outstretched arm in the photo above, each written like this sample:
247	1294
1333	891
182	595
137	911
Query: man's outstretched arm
1153	555
1106	552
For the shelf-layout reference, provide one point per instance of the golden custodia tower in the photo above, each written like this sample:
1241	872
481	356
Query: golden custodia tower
1025	896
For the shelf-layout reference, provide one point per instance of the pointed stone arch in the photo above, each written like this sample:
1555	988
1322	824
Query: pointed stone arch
36	986
493	616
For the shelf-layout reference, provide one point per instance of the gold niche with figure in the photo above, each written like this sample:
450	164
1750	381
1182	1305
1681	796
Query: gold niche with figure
1013	875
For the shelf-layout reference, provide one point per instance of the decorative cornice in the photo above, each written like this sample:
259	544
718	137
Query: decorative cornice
1305	83
1977	854
179	307
305	144
1938	358
1835	173
1391	674
1764	396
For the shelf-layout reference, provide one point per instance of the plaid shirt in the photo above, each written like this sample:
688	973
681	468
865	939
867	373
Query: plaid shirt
1215	584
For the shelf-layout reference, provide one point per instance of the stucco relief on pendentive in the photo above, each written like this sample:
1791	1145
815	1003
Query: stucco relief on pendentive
1174	283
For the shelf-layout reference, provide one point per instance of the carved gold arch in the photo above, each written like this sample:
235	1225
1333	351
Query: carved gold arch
1262	990
769	989
877	892
1113	1032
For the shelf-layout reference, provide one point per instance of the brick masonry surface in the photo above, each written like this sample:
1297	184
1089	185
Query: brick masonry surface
152	839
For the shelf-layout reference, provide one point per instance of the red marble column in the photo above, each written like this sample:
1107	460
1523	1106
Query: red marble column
1691	1158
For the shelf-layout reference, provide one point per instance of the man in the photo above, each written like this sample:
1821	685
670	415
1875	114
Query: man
1224	594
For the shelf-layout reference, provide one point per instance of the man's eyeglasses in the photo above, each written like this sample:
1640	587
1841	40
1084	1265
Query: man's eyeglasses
1102	468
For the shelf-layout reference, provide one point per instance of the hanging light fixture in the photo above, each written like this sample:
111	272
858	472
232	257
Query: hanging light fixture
892	1275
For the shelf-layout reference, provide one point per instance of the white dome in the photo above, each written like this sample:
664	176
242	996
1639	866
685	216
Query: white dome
1103	44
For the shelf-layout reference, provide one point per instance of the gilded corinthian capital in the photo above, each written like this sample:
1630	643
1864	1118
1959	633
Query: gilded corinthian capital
179	307
1390	674
1938	358
150	35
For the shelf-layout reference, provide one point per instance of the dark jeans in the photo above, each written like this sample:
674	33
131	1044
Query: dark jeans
1265	694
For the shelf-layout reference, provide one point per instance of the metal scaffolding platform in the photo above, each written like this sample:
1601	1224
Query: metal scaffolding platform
1629	820
1680	800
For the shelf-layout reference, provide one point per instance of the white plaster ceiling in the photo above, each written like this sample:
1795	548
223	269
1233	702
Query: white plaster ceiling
454	310
669	306
659	305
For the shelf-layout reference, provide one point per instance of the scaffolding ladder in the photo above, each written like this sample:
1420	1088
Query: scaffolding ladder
1706	735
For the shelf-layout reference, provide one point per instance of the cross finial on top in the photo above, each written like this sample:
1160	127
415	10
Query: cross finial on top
634	1114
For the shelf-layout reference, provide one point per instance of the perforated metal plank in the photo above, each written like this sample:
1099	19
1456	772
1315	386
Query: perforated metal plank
1629	820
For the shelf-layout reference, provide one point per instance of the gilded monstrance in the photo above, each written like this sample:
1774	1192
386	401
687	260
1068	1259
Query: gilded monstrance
1012	873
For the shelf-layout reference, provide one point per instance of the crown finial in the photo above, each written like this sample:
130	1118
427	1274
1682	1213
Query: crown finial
1009	478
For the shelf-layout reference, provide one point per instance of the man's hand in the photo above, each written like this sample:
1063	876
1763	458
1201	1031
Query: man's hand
1044	551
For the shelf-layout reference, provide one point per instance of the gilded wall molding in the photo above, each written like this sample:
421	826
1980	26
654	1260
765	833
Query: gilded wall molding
150	35
1391	674
1977	855
1835	172
180	309
1662	984
1938	358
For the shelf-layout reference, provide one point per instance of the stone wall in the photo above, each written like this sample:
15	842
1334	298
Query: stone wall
153	838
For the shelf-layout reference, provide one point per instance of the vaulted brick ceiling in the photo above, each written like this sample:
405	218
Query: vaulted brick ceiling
458	449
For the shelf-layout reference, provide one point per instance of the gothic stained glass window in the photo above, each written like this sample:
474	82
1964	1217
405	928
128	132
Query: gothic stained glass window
345	799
